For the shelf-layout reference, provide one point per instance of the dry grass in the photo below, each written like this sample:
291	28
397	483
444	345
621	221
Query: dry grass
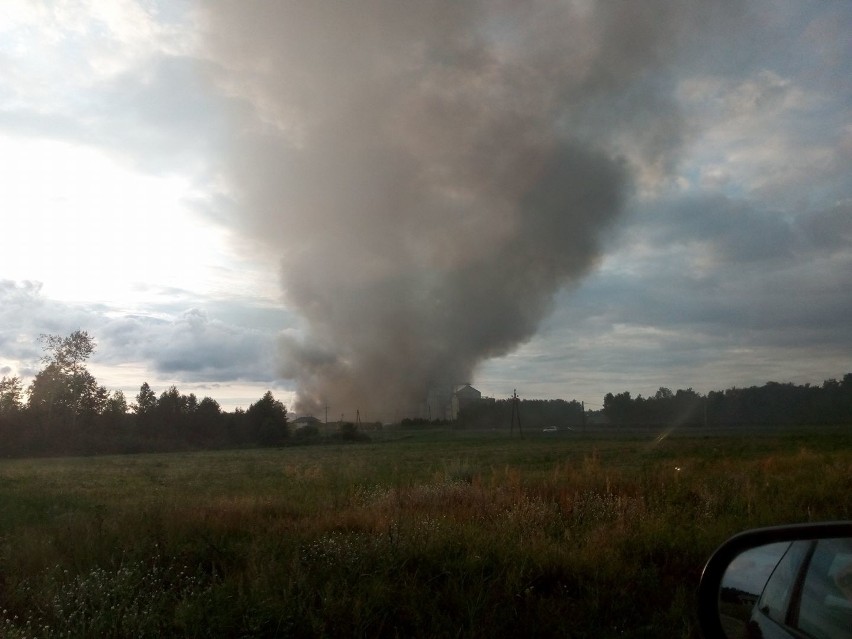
448	537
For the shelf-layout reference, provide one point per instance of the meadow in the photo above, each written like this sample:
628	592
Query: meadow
435	533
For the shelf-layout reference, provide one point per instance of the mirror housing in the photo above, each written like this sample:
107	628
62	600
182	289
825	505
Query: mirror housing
711	578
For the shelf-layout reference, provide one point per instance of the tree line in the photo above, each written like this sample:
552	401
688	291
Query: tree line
773	404
67	412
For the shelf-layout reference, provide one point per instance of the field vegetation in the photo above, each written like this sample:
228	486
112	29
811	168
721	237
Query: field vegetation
426	533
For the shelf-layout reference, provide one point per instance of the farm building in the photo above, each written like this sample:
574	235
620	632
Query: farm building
307	420
444	402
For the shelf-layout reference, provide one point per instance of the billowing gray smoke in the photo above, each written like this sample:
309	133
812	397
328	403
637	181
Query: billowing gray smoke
432	172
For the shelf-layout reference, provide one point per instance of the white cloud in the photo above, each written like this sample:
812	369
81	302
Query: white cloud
701	292
59	49
765	135
91	230
191	347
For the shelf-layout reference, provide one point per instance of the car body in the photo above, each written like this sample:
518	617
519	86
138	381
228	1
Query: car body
780	582
809	594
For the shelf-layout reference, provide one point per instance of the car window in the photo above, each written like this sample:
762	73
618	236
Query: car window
825	610
779	589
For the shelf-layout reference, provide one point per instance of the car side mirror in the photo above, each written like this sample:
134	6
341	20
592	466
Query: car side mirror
784	581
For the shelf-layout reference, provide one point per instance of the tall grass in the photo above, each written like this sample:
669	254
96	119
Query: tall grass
456	537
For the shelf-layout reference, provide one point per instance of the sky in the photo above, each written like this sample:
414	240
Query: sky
346	205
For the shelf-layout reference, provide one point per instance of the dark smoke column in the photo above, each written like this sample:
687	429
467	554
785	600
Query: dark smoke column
432	172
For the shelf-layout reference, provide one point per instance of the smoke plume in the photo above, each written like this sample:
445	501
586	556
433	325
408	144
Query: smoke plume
433	172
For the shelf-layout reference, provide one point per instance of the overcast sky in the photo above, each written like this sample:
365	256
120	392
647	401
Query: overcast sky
132	190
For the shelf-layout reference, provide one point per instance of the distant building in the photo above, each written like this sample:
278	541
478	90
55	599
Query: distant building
306	420
444	402
464	396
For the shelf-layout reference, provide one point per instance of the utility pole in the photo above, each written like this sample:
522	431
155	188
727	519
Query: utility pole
516	415
583	404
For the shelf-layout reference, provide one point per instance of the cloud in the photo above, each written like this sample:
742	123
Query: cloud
83	42
768	136
24	314
192	347
173	342
120	76
829	231
707	292
721	259
433	173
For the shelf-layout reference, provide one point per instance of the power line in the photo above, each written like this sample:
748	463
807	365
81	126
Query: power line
516	415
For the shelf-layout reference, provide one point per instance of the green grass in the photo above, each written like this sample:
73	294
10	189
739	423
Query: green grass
428	534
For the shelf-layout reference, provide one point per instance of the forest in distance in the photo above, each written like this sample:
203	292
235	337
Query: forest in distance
65	411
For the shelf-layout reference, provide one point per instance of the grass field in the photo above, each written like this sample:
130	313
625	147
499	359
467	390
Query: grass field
427	534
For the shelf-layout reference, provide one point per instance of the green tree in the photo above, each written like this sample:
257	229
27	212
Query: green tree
146	401
664	393
12	432
48	392
235	426
88	397
116	404
11	392
64	391
206	422
209	407
170	403
267	420
170	413
68	353
114	418
145	408
190	403
618	407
